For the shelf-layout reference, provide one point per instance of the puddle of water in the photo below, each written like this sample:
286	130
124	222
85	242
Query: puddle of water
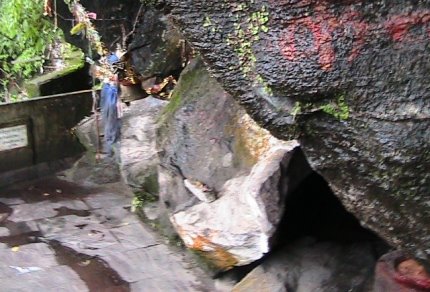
64	211
21	239
20	233
5	211
96	273
49	188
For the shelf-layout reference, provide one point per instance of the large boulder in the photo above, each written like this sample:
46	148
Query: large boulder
222	178
157	48
92	168
237	228
349	79
138	153
136	157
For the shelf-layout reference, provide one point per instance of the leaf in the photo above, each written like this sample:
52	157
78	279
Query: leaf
77	28
21	24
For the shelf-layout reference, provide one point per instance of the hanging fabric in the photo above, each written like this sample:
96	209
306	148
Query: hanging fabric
109	107
110	118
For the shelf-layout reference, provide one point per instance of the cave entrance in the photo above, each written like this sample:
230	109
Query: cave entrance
319	245
312	210
316	232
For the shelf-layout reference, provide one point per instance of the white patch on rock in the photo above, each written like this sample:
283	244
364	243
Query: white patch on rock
202	192
227	160
151	211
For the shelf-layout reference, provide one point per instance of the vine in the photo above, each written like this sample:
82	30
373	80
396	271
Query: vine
249	24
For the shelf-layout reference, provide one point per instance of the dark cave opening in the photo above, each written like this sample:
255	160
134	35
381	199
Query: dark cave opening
313	210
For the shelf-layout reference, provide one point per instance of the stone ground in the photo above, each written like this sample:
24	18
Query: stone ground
57	235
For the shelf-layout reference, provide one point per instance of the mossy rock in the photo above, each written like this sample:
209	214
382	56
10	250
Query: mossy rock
74	61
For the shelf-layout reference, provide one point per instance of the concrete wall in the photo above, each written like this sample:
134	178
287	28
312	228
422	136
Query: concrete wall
39	132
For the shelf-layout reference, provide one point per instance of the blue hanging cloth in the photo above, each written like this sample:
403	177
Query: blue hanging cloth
108	104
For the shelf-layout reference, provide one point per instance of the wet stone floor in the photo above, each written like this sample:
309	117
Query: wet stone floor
60	236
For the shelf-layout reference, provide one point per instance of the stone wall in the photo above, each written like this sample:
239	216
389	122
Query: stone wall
39	131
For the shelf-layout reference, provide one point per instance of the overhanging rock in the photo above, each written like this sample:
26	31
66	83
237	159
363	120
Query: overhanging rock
349	79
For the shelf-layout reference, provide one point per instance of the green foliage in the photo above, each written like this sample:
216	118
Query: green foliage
140	199
246	32
297	109
339	109
207	22
24	36
249	24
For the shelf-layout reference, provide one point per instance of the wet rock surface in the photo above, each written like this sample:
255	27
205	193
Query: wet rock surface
308	265
157	48
349	79
57	235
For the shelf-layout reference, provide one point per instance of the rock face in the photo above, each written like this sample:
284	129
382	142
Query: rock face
89	170
222	178
349	79
157	46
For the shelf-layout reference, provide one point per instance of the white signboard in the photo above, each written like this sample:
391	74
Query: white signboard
13	137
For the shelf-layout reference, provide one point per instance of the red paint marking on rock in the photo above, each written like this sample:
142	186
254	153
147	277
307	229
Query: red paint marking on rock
399	26
412	274
322	42
323	23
